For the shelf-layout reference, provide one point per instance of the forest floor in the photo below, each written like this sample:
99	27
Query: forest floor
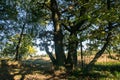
40	68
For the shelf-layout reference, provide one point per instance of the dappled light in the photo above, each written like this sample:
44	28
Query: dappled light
24	70
42	68
59	39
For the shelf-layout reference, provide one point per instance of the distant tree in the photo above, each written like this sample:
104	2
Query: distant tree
26	46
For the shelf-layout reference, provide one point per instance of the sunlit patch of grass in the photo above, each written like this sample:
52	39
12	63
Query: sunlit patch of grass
34	77
110	69
24	69
17	77
117	74
108	63
109	79
101	71
72	78
38	68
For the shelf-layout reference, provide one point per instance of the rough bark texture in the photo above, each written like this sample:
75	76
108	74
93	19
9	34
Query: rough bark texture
58	36
71	61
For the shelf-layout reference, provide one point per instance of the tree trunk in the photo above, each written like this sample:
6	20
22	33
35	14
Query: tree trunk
58	36
82	61
98	54
59	51
50	55
71	61
17	55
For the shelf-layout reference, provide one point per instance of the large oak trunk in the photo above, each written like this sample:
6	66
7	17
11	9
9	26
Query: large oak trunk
58	36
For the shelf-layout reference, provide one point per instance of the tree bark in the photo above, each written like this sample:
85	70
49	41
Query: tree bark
50	55
71	61
17	55
58	36
98	54
81	49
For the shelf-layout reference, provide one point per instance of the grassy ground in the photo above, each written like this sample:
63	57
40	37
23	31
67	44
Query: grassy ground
41	69
101	71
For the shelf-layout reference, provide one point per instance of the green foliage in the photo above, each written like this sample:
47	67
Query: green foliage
102	71
88	19
26	46
8	10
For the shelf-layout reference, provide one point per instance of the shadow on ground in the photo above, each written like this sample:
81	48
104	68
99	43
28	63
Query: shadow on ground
37	69
24	70
4	71
112	69
100	71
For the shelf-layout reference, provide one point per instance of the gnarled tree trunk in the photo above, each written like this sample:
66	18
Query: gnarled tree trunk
58	36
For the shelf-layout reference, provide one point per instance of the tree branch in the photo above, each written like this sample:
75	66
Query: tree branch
86	26
69	8
79	24
50	54
19	41
66	27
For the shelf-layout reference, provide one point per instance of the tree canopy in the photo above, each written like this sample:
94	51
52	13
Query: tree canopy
93	22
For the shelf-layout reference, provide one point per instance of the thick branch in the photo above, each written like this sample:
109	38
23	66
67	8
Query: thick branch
108	4
82	29
99	53
66	27
50	54
78	25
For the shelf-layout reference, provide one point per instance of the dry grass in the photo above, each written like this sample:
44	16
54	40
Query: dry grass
103	59
39	69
